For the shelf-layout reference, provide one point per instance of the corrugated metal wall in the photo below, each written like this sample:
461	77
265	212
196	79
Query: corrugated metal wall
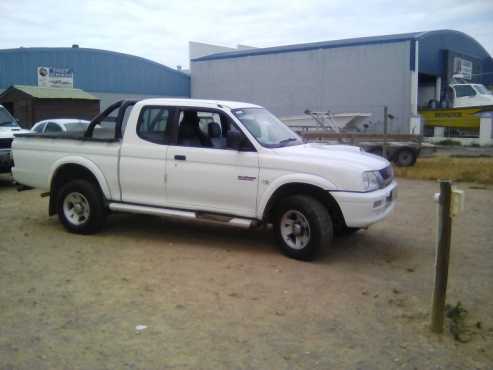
345	79
94	70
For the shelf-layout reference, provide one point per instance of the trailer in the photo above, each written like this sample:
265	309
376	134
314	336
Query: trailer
401	149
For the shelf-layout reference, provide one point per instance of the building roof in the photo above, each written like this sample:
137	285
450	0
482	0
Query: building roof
345	43
52	92
94	70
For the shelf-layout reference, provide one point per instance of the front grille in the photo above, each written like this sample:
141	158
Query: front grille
5	143
387	174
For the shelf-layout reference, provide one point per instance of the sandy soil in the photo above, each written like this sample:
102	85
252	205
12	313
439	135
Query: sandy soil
220	298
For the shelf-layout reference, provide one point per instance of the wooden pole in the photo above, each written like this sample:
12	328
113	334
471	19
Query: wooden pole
442	256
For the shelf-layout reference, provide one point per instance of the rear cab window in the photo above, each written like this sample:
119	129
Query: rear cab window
154	123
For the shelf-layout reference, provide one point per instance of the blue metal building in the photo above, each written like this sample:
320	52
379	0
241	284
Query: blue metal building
107	75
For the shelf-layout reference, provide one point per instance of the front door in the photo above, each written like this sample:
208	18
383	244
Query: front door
203	173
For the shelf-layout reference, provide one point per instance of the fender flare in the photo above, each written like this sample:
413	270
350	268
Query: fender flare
87	164
307	179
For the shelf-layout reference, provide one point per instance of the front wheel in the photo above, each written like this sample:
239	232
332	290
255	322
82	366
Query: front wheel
80	207
303	226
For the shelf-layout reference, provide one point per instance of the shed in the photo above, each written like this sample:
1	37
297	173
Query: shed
30	104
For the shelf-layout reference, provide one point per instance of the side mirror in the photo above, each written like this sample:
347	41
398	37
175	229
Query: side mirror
235	140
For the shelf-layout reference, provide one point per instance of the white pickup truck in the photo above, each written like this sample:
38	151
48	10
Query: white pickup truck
220	161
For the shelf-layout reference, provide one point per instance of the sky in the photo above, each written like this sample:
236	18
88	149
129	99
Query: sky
161	30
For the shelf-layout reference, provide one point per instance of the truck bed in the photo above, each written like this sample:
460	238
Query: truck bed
37	155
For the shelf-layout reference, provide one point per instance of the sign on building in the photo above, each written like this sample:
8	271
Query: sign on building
55	77
464	67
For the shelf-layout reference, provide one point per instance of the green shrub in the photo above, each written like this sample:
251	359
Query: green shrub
449	142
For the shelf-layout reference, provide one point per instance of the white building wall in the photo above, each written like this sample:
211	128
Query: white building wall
345	79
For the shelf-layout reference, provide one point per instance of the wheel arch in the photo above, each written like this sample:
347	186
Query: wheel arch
303	188
71	169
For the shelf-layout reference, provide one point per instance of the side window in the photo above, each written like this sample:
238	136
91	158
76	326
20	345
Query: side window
206	129
52	127
464	90
153	124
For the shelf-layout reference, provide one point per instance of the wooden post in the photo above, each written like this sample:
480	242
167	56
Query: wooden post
442	256
385	130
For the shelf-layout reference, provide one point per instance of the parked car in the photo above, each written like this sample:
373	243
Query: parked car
247	169
60	125
468	95
8	127
462	93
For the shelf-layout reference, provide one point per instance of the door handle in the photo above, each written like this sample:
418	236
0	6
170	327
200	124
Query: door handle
180	157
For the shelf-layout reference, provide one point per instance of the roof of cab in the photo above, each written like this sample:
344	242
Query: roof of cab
205	103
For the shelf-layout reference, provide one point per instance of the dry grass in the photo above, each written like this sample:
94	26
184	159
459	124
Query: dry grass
476	170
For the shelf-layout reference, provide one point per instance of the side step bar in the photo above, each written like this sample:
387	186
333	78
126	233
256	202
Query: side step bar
167	212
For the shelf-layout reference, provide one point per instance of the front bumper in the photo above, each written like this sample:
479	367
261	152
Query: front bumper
5	160
364	209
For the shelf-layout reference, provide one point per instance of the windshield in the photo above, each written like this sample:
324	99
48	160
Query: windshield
267	129
6	120
482	90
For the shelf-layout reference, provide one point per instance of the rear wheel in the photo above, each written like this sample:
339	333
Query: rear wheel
303	226
405	157
80	207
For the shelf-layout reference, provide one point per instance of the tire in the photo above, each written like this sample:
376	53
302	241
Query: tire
312	222
405	157
80	207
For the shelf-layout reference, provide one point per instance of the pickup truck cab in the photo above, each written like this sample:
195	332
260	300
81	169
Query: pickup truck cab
221	161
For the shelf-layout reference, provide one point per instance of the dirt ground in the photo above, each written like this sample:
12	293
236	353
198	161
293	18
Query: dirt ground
220	298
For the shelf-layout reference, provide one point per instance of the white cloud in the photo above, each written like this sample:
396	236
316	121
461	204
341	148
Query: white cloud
160	30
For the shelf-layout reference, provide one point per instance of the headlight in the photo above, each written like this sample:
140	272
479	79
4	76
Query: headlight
372	180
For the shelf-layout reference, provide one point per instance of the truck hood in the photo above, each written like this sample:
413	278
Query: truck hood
483	99
350	155
9	132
